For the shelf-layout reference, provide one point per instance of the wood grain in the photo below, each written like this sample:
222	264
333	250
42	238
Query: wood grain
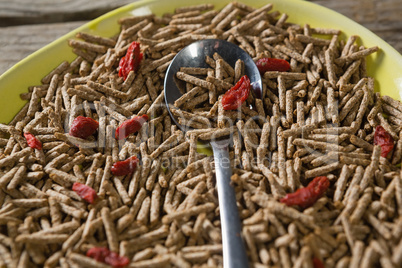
18	12
17	42
52	19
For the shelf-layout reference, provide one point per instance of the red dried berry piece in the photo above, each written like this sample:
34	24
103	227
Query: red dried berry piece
384	139
130	126
271	64
32	141
116	261
307	196
131	61
85	192
125	167
97	253
317	263
234	97
104	255
83	127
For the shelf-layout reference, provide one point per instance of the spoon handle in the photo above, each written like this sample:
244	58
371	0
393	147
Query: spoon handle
234	253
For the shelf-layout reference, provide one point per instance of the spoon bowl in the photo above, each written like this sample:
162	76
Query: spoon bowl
194	55
234	253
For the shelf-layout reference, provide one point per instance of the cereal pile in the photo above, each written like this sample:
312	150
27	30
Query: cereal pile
62	206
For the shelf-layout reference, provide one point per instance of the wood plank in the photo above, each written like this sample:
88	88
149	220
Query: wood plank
18	12
17	42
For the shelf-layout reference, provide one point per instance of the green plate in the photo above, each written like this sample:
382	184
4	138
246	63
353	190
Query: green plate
385	66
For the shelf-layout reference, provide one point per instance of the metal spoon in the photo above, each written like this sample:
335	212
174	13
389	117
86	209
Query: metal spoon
234	253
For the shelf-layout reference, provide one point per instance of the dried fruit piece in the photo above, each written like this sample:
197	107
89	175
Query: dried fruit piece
307	196
271	64
85	192
125	167
131	61
83	127
104	255
317	263
130	126
235	96
384	139
32	141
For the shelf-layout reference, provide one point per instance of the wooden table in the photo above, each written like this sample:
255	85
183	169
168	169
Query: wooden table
26	26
